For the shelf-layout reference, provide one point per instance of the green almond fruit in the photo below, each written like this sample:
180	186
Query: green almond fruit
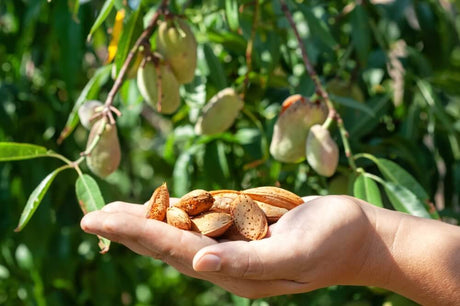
322	151
177	43
219	113
105	157
87	111
158	86
298	114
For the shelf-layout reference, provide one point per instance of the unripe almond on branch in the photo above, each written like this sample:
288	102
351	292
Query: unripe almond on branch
158	203
105	156
275	196
87	111
158	86
195	202
297	115
219	113
322	151
176	42
248	218
212	224
178	218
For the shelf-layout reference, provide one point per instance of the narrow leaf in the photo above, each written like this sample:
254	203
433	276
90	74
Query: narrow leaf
89	92
105	11
216	72
131	30
36	197
231	12
88	194
318	28
181	174
20	151
352	103
366	189
360	34
404	200
90	199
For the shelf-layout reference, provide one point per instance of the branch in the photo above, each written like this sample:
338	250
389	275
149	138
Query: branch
333	114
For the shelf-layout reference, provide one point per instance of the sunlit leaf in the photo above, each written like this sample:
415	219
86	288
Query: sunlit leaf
36	198
231	12
90	199
105	11
19	151
116	33
181	174
366	189
404	200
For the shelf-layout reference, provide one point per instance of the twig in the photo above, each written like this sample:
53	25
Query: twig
320	91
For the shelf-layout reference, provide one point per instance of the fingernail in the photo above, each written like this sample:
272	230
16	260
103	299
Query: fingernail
207	263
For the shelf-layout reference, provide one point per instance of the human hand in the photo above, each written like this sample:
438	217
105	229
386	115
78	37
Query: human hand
320	243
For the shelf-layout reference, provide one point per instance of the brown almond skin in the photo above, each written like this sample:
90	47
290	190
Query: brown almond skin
178	218
212	224
158	203
273	213
195	202
223	202
274	196
249	219
234	234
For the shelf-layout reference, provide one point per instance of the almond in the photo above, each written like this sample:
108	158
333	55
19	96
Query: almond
223	201
212	224
273	213
195	202
158	203
178	218
249	219
274	196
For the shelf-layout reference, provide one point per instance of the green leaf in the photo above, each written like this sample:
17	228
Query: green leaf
366	189
131	30
360	33
105	11
352	103
318	28
36	197
90	91
88	194
216	72
404	200
181	174
20	151
231	12
396	174
90	199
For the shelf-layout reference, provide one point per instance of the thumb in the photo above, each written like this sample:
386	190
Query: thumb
240	259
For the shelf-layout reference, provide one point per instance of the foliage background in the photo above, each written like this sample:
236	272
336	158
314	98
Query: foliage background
403	55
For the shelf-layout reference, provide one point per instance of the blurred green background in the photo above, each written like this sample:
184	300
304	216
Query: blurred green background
402	56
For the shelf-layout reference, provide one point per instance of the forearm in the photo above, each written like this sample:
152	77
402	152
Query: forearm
418	258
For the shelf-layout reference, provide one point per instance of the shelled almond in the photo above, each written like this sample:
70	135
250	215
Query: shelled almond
228	214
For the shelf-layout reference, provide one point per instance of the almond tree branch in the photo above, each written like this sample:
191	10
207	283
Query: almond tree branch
320	91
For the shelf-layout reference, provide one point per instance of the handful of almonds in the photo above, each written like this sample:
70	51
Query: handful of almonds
230	214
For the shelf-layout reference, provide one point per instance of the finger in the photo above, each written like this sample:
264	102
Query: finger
123	207
260	259
161	239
